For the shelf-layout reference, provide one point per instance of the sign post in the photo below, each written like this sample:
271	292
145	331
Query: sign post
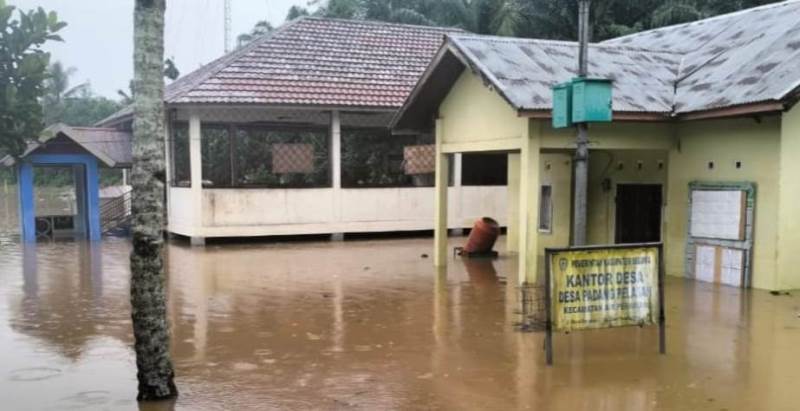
604	287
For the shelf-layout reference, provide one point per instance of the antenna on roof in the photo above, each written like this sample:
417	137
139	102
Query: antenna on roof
227	26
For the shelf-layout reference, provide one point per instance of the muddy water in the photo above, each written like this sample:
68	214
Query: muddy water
49	201
370	325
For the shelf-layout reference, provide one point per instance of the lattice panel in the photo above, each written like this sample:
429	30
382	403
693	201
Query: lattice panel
420	159
292	158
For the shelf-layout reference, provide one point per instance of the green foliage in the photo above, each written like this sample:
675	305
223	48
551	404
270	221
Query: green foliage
23	71
296	12
171	70
261	28
74	106
547	19
374	158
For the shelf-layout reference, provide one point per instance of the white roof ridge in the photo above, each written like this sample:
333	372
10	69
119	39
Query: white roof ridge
471	36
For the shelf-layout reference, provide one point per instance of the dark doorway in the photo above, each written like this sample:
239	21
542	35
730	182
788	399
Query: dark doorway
638	213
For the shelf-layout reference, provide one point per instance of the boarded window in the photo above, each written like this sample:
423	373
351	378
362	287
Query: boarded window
718	214
546	209
718	264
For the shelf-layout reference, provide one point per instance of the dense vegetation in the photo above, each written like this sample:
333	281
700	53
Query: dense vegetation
548	19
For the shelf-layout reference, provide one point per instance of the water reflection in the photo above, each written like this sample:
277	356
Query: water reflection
62	310
369	325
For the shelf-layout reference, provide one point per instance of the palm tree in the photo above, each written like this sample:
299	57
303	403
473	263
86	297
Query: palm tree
148	297
57	89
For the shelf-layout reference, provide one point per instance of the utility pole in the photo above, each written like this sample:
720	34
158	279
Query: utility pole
227	26
582	143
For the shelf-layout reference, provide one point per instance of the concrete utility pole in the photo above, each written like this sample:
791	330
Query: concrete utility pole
227	26
582	143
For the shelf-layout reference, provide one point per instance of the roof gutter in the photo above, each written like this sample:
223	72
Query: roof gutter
737	111
618	116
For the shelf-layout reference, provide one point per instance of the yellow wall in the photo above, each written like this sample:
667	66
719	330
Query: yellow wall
789	203
611	136
724	142
604	164
475	118
555	169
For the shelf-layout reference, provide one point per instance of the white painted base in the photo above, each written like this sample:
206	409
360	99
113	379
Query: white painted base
273	212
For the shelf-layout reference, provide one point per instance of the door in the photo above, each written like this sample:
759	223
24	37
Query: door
638	213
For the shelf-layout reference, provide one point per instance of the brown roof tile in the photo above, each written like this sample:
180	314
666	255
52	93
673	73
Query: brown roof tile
317	61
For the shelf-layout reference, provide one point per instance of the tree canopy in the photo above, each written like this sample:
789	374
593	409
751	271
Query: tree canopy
72	105
547	19
23	71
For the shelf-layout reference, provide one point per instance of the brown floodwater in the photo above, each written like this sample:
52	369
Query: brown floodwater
370	325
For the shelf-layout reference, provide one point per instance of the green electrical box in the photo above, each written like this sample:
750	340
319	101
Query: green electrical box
591	100
562	105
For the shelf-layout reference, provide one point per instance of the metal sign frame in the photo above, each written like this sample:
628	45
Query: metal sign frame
548	252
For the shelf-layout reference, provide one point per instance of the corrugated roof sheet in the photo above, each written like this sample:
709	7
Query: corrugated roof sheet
740	58
524	70
111	146
317	61
745	57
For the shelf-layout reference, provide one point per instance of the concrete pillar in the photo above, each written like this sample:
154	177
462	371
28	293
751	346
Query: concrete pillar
92	179
27	203
440	200
512	232
79	178
336	150
336	169
196	166
458	192
787	276
529	203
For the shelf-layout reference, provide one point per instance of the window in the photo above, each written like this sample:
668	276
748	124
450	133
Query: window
181	168
216	152
546	209
281	157
372	157
484	169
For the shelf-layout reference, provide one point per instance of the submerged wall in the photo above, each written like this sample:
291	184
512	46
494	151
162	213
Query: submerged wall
266	212
756	144
789	203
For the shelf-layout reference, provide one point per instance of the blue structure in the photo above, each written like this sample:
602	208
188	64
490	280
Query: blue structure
86	187
82	149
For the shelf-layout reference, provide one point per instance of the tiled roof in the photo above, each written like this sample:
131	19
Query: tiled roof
320	62
745	57
525	70
112	147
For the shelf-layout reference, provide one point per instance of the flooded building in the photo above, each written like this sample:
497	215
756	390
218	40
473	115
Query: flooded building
80	152
290	135
701	154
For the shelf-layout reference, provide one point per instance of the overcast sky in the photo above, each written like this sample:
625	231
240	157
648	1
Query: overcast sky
98	41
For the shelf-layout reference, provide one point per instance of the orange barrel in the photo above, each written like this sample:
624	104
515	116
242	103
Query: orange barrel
483	235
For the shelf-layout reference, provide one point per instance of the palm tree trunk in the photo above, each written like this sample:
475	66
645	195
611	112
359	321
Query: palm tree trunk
148	296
